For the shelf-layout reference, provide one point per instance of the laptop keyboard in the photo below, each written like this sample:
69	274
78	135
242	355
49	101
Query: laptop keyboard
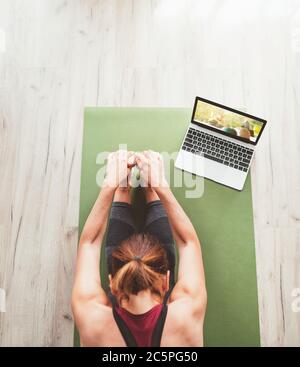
217	149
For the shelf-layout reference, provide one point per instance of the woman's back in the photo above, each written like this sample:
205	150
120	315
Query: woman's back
182	326
142	330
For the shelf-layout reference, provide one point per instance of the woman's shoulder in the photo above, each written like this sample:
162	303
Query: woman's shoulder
184	324
98	327
183	307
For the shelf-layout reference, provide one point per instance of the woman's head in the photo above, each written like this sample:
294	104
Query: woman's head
139	263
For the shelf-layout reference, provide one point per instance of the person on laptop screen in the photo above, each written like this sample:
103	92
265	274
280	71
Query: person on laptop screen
228	121
144	305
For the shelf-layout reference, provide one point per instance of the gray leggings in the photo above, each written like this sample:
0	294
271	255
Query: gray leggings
121	226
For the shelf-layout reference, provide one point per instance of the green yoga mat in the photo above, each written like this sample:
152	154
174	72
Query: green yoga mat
222	217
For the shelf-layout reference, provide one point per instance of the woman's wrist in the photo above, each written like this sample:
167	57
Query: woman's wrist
109	185
164	185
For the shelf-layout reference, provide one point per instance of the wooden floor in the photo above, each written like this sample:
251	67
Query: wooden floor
57	56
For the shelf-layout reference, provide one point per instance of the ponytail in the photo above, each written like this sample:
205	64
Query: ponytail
138	264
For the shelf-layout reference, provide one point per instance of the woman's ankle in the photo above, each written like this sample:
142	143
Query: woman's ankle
123	194
150	194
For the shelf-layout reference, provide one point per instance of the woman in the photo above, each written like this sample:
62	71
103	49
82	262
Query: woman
144	306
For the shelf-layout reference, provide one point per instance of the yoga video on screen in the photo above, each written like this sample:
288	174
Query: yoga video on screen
227	121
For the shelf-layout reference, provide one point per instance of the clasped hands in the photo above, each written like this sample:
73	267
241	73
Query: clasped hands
149	163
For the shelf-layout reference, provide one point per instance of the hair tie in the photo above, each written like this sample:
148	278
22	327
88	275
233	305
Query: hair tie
137	258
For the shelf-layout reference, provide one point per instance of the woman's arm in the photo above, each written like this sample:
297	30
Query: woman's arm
191	279
87	283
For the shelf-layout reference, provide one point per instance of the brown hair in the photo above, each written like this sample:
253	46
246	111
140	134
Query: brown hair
137	264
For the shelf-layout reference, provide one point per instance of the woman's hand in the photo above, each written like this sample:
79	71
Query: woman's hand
118	168
151	168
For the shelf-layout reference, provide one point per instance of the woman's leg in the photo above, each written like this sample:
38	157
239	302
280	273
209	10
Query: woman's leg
158	225
120	223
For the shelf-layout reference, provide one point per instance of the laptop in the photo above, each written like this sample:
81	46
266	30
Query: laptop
219	143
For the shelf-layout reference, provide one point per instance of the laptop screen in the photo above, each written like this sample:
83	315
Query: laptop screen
228	121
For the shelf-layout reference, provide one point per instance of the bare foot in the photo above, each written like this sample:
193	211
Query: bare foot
131	161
